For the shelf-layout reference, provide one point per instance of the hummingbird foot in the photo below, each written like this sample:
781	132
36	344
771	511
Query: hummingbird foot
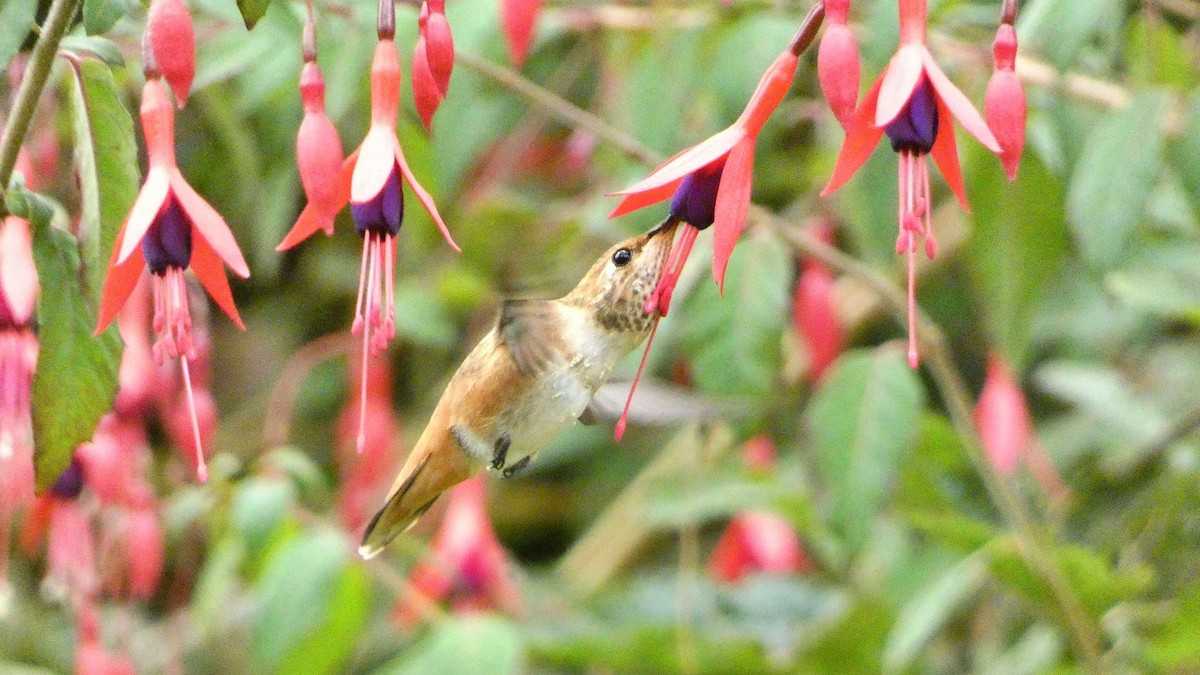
516	468
501	452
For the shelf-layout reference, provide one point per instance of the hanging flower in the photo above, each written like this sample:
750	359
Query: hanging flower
1004	103
365	476
837	62
911	102
433	59
468	567
814	317
172	42
170	228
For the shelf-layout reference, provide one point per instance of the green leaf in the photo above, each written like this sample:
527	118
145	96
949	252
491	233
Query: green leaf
1184	151
474	644
252	11
1114	179
259	504
736	338
930	610
106	163
328	648
101	15
1017	246
16	19
102	48
298	589
76	379
1157	54
1173	646
863	423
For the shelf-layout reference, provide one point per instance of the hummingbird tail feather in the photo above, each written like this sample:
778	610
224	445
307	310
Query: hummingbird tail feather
397	515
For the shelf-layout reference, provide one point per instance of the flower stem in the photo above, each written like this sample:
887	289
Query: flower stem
30	91
808	29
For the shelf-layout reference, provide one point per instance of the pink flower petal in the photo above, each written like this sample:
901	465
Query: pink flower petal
18	275
311	219
145	209
945	153
696	157
861	138
733	201
958	104
119	283
206	263
209	224
424	198
899	80
640	200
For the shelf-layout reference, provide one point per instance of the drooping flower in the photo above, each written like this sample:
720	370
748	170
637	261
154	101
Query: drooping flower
71	550
814	317
433	59
324	174
711	181
172	41
912	101
364	476
1004	103
468	566
519	19
837	62
170	228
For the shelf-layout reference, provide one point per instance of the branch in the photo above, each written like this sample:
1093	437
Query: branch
30	91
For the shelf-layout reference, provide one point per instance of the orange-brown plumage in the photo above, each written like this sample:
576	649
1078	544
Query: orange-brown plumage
527	380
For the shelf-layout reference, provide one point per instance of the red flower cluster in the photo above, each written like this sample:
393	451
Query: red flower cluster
433	60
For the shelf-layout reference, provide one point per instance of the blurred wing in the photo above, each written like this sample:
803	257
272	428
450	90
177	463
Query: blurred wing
657	404
529	330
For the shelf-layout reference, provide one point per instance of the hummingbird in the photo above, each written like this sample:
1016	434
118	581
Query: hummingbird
530	378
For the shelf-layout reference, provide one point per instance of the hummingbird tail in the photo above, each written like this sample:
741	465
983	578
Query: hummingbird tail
397	515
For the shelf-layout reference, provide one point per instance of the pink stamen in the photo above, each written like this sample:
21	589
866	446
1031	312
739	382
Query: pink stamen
201	465
370	253
390	288
659	301
620	430
362	281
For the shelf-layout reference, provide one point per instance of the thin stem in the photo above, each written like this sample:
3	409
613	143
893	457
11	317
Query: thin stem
308	46
1008	12
808	29
277	426
385	26
30	91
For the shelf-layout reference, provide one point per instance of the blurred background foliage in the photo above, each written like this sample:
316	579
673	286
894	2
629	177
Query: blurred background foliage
1084	275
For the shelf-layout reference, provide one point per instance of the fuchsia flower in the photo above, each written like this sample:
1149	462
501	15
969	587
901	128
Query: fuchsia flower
433	59
1004	103
468	566
518	20
171	228
709	184
814	317
172	41
912	102
323	173
837	62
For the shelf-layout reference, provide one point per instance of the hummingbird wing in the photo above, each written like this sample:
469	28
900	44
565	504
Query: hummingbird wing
528	328
656	404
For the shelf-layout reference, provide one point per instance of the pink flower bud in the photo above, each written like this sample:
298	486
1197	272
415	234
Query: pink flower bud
173	44
759	453
815	319
1004	103
439	46
838	71
144	551
757	541
427	96
1003	419
318	148
518	18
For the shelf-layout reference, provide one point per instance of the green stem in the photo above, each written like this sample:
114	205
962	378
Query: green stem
32	83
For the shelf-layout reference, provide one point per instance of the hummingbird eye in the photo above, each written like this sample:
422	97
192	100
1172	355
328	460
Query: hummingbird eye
622	257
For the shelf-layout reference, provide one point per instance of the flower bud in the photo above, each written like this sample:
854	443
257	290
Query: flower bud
173	44
318	147
518	18
1003	419
838	70
1004	103
757	541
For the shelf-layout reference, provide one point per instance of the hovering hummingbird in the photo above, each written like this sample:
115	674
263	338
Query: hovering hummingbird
528	380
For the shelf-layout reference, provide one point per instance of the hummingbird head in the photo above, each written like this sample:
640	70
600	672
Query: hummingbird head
617	285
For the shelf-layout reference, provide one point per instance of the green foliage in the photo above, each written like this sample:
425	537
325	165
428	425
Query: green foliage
16	20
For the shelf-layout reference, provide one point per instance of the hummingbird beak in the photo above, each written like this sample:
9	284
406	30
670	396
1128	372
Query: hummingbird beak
668	226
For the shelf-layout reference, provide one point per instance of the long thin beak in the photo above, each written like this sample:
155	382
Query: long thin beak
667	226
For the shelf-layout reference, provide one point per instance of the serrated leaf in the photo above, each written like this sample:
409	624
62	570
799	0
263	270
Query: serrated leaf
1114	179
1017	246
101	15
926	614
16	20
473	644
102	48
252	11
106	163
736	338
863	422
76	379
